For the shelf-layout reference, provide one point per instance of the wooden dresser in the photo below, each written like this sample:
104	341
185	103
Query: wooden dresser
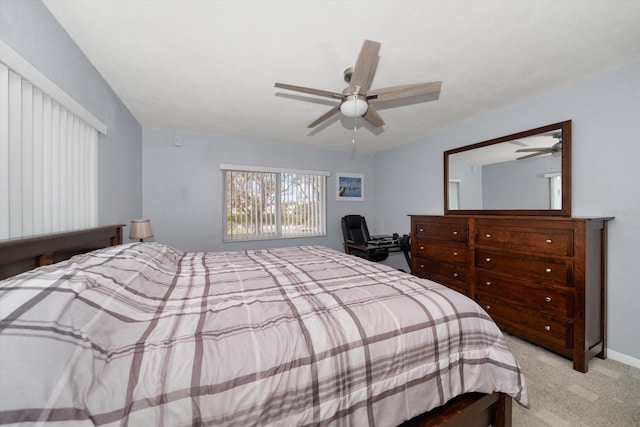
540	278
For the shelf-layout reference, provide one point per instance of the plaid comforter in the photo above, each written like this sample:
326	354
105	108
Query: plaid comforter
145	335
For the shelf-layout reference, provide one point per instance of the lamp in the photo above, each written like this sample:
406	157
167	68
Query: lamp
140	229
354	106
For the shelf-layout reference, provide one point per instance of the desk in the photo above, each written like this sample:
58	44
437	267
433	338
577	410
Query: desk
370	247
372	251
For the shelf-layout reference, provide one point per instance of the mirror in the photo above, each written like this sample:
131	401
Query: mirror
527	173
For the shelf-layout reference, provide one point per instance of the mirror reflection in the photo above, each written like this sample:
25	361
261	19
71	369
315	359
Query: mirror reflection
520	173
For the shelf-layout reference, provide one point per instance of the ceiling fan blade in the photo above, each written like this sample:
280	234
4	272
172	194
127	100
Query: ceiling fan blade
318	92
325	116
365	67
403	91
516	142
531	155
533	150
373	117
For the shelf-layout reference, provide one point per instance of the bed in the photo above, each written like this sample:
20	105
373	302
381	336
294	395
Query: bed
144	334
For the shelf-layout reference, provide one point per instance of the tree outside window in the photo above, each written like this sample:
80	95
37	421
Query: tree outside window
272	205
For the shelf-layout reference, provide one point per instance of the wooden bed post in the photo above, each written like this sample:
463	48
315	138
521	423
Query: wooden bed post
503	412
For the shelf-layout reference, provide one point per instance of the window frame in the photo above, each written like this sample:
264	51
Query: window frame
320	231
555	189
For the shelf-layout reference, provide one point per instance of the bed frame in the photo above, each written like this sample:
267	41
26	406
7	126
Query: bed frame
19	255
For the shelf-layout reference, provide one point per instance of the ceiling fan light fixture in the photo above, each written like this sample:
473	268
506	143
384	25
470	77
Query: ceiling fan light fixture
354	106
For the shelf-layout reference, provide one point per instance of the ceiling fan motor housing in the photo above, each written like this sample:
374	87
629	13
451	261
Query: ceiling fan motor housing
348	72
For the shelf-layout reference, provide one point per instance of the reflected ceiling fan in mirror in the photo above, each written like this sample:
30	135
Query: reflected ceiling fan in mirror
555	150
356	99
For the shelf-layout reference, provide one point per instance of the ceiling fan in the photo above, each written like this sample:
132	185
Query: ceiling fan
356	99
555	150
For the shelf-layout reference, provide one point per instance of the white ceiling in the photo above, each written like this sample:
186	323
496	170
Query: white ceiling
209	66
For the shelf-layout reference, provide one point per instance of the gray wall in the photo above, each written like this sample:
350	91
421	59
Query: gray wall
605	177
518	184
471	183
182	186
29	28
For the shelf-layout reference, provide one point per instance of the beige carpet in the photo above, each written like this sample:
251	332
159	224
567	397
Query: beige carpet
608	395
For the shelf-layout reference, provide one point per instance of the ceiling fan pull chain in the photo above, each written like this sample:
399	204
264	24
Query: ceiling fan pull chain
355	129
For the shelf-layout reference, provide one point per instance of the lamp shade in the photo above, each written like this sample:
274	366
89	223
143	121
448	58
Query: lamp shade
354	106
140	229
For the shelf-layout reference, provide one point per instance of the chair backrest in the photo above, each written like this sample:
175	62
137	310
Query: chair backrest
354	229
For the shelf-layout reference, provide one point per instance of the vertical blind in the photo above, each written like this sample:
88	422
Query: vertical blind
48	162
273	203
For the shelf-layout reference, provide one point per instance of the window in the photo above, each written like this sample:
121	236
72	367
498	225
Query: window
454	194
48	154
555	190
267	203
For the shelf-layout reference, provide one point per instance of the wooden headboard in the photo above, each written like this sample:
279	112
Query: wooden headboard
19	255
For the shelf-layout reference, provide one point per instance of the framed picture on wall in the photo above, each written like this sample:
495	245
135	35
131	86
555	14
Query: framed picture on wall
349	187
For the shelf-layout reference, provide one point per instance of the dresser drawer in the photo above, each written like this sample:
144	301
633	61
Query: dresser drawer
443	252
442	272
545	330
539	276
452	231
539	241
554	301
538	269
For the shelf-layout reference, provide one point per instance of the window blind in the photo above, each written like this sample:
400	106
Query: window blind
268	203
48	162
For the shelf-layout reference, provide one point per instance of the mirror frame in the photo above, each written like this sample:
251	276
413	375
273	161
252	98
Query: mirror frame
565	127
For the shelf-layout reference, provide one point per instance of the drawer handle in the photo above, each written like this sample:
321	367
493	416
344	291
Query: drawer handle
422	229
548	299
455	274
455	233
488	283
422	248
487	307
421	265
549	241
547	328
548	270
455	254
488	236
488	259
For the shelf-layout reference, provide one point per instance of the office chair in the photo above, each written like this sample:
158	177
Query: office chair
355	231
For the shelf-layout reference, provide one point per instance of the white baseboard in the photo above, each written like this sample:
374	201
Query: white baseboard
623	358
